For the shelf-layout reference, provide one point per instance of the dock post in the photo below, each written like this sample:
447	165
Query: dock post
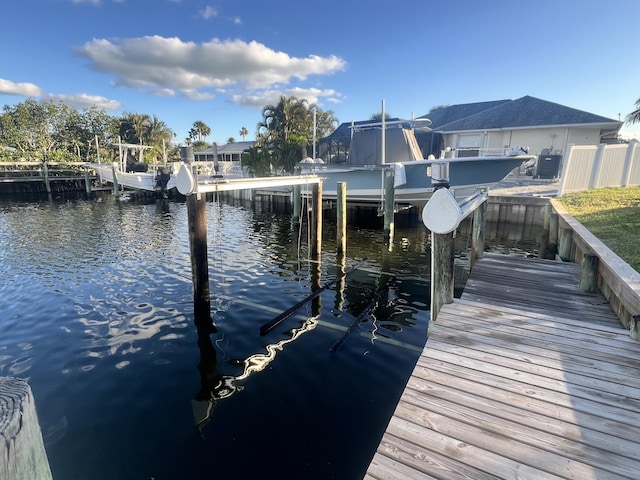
552	242
389	203
87	183
316	219
442	271
589	273
116	187
565	243
45	172
297	204
197	218
478	233
341	220
22	452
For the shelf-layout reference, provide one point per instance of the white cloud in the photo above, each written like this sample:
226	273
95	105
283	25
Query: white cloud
208	12
7	87
153	63
259	99
84	101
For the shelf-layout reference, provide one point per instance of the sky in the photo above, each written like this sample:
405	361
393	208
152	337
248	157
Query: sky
222	61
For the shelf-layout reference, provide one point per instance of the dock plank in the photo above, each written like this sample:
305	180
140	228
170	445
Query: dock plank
524	377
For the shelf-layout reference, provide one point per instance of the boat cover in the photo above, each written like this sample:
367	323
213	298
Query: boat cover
400	146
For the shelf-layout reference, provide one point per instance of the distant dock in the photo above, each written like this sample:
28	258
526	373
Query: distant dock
46	177
525	376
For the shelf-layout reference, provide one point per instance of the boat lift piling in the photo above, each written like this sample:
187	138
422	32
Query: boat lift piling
389	204
188	185
442	215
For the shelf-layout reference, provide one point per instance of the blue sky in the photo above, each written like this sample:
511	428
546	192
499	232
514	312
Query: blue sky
221	61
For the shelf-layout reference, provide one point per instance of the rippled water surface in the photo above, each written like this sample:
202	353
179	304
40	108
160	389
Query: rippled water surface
97	313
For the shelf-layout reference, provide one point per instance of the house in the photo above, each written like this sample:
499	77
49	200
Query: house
487	128
230	152
545	127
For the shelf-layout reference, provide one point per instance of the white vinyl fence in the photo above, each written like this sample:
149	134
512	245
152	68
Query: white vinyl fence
591	166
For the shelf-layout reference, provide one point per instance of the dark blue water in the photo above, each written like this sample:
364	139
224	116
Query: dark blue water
97	313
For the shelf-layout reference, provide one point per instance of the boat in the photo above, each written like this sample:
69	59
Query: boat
377	150
131	172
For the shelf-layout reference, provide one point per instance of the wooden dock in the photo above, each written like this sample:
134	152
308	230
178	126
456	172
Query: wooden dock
523	377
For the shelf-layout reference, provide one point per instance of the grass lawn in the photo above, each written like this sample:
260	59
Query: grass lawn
612	215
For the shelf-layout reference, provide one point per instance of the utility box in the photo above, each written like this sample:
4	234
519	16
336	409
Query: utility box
548	166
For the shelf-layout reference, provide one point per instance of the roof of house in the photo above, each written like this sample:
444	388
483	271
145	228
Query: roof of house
452	113
234	147
523	112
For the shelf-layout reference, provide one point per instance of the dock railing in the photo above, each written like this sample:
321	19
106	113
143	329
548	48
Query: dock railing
602	269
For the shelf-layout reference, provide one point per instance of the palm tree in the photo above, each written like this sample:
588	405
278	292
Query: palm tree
634	117
134	127
159	136
287	129
199	131
244	132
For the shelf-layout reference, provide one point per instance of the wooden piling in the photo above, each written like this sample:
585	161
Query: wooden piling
197	218
478	232
87	183
116	187
589	273
45	173
553	230
565	243
22	452
341	220
389	203
442	271
316	224
297	204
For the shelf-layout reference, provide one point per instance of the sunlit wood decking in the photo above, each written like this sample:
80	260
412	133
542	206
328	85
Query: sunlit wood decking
524	377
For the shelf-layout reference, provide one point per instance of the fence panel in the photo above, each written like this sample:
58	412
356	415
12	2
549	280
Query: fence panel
591	166
612	166
576	172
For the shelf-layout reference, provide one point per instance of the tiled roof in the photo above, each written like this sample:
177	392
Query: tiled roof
523	112
235	147
452	113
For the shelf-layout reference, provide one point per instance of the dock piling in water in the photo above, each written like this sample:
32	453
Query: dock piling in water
22	452
197	218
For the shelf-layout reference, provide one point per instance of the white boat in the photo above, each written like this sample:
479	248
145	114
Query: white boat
415	178
138	175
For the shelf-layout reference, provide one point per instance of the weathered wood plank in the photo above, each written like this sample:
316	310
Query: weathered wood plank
553	418
524	376
523	445
559	341
523	349
488	386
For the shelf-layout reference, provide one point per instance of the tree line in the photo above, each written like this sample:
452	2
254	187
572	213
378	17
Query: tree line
53	131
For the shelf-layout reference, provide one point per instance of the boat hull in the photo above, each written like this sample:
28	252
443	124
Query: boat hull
132	180
414	185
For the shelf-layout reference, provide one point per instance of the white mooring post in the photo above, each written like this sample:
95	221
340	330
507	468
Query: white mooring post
22	453
442	215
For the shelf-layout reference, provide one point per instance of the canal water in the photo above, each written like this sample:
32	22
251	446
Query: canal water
97	314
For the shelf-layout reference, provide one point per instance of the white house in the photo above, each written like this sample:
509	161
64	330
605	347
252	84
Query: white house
230	152
545	127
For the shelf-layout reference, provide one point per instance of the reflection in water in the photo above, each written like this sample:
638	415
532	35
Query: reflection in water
214	386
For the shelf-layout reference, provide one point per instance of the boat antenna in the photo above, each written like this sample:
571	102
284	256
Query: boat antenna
314	135
384	160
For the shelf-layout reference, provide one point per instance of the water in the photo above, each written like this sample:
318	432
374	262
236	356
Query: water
97	314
